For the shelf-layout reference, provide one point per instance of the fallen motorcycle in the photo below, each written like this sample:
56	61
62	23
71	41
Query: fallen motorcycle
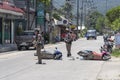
92	55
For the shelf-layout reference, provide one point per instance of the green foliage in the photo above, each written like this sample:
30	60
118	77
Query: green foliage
46	5
67	10
107	22
116	53
113	17
57	16
96	21
116	24
46	2
113	14
96	13
100	24
67	7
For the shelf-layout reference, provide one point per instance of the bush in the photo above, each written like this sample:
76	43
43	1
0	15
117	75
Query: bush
56	16
116	53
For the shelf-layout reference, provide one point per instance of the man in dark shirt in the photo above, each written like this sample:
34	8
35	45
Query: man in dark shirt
68	41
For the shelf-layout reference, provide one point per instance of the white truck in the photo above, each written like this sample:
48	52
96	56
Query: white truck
25	40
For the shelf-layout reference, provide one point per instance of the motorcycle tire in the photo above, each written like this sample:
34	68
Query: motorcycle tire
106	57
85	58
19	48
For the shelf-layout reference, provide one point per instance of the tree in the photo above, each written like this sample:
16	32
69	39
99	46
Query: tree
100	24
57	16
96	21
113	14
67	10
113	17
116	24
46	2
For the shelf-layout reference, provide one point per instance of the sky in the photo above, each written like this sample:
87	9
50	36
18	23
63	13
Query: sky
100	4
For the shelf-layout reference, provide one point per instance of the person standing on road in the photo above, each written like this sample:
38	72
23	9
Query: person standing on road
68	41
38	44
43	41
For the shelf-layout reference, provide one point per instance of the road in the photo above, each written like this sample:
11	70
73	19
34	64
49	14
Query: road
21	65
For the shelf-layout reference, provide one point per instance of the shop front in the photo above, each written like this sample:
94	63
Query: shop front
0	30
8	16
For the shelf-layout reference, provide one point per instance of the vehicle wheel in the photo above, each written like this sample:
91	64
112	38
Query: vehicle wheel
26	47
34	48
19	48
106	57
95	38
85	58
87	38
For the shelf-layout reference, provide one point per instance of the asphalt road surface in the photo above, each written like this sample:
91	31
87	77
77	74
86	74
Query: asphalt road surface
21	65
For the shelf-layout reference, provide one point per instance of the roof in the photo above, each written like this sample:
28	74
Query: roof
4	8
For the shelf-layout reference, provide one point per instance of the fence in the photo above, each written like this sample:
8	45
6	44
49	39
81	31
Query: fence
117	40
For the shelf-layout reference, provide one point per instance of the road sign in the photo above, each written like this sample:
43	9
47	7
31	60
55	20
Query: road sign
40	13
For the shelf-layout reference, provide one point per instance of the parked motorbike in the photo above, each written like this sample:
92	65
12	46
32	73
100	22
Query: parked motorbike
92	55
108	45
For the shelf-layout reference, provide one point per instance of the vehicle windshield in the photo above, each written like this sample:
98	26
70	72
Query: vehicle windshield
91	32
27	33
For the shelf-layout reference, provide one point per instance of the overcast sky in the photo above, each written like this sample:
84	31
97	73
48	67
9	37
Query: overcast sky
100	4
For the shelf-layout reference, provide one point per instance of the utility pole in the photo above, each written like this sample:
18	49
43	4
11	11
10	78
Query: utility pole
38	45
77	17
28	15
35	13
50	26
81	16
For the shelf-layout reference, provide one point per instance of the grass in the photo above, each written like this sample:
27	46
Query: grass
116	53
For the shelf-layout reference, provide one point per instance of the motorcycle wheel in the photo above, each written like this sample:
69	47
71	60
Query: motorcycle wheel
85	58
106	57
19	48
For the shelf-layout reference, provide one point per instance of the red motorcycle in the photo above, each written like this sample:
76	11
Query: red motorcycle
92	55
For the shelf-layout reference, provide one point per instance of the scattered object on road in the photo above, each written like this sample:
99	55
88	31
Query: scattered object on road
71	58
92	55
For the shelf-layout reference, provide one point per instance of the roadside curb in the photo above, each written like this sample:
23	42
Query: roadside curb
13	47
115	58
9	47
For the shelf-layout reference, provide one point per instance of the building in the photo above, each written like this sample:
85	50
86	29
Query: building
8	15
28	6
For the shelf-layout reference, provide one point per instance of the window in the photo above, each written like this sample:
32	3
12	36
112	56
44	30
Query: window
7	31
